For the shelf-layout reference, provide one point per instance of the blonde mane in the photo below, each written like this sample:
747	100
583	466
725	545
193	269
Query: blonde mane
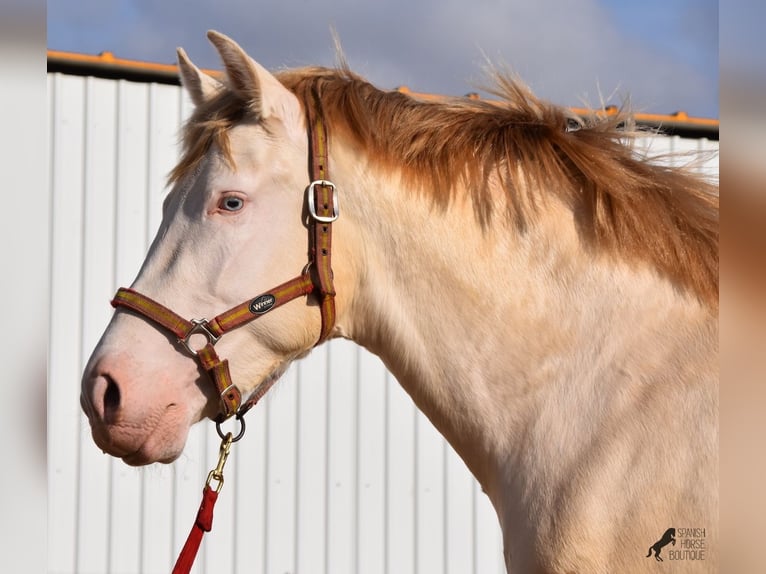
625	205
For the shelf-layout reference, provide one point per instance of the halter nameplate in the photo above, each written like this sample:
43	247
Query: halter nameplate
322	201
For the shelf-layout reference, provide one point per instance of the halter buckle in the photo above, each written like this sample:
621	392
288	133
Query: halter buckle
201	327
312	203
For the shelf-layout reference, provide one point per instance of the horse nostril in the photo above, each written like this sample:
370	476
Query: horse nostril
111	400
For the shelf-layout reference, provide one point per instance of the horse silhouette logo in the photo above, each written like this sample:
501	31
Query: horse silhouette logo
667	538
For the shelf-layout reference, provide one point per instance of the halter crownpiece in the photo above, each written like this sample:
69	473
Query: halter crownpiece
317	276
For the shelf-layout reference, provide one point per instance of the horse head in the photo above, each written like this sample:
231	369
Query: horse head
234	224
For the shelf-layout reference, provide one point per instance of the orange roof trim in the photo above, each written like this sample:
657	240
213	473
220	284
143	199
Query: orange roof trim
108	59
107	64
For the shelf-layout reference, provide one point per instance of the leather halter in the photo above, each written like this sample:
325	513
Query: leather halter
322	201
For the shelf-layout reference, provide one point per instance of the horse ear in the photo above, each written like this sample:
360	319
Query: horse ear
252	82
199	85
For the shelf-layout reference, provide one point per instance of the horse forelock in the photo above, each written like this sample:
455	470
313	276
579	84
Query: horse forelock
208	126
625	205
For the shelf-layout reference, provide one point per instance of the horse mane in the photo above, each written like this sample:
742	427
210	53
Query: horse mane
624	204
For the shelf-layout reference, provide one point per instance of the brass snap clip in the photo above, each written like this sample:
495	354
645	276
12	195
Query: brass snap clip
217	473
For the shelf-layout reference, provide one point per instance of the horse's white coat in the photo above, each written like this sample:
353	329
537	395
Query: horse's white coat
580	391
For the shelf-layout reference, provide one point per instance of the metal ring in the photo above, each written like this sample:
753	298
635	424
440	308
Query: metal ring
241	429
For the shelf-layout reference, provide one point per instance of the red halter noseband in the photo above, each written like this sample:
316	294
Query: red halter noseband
322	200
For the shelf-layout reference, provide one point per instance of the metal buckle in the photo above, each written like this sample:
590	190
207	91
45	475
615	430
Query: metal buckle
200	327
312	205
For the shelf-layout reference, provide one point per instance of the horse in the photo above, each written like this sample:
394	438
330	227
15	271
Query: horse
544	293
667	538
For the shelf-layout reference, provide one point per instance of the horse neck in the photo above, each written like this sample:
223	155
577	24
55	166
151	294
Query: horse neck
478	323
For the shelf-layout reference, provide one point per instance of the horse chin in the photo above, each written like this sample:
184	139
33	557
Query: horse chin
154	449
141	458
161	442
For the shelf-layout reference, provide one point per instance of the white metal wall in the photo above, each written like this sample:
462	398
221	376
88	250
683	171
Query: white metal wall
338	472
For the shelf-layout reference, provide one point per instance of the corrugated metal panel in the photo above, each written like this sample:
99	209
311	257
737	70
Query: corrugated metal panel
338	473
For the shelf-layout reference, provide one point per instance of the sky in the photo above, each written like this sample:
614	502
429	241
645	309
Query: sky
661	55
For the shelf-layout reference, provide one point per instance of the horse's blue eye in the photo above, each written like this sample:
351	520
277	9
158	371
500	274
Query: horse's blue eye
232	203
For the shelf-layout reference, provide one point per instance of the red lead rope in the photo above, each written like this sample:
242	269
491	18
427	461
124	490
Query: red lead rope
203	523
204	520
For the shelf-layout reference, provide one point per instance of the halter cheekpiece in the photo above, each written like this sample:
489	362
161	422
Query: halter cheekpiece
316	277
